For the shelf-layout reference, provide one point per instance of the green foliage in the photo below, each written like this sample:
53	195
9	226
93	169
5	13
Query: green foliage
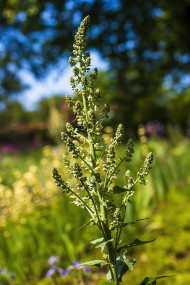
14	113
108	283
98	263
34	222
136	242
152	280
51	228
141	50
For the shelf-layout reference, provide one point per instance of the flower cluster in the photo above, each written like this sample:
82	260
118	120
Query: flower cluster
155	128
95	165
6	273
144	170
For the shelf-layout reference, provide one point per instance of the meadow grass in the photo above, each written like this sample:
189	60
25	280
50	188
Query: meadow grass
37	221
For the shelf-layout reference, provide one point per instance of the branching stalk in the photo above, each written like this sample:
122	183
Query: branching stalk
107	214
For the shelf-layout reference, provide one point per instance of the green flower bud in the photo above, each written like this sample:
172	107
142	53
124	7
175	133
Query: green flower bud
83	80
130	150
75	71
78	108
69	128
69	100
94	73
71	61
97	94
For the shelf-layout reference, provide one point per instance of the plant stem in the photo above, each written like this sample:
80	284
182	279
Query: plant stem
103	225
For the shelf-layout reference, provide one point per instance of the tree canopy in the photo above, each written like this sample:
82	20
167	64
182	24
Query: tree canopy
144	42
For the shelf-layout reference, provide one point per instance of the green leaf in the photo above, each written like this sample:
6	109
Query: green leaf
118	189
122	269
108	283
103	244
98	263
129	223
133	222
104	203
108	276
123	265
136	242
130	263
88	223
92	179
97	240
152	280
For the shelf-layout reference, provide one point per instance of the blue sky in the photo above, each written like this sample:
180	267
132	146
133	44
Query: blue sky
56	82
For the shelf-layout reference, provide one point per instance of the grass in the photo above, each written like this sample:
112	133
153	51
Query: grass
38	221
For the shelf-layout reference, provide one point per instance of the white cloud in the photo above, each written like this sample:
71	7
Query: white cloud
56	82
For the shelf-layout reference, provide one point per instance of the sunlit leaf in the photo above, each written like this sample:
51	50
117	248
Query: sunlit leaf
136	242
98	263
108	283
130	263
103	244
97	240
108	276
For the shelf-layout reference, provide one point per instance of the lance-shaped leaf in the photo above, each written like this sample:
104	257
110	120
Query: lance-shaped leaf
97	240
136	242
103	244
133	222
108	283
88	223
152	280
98	263
129	223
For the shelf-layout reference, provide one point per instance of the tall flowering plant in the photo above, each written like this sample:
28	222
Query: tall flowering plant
96	167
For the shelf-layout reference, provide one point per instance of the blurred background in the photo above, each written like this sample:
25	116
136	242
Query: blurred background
142	51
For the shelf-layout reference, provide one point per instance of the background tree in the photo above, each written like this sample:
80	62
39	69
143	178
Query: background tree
144	42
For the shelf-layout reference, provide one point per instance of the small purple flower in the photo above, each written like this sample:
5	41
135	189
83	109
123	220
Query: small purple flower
61	271
87	269
76	265
12	275
65	272
52	260
53	269
2	271
155	127
50	272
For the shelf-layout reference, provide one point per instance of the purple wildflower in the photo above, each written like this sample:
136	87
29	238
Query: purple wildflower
61	271
53	269
66	272
12	275
52	260
50	272
76	265
87	269
155	128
